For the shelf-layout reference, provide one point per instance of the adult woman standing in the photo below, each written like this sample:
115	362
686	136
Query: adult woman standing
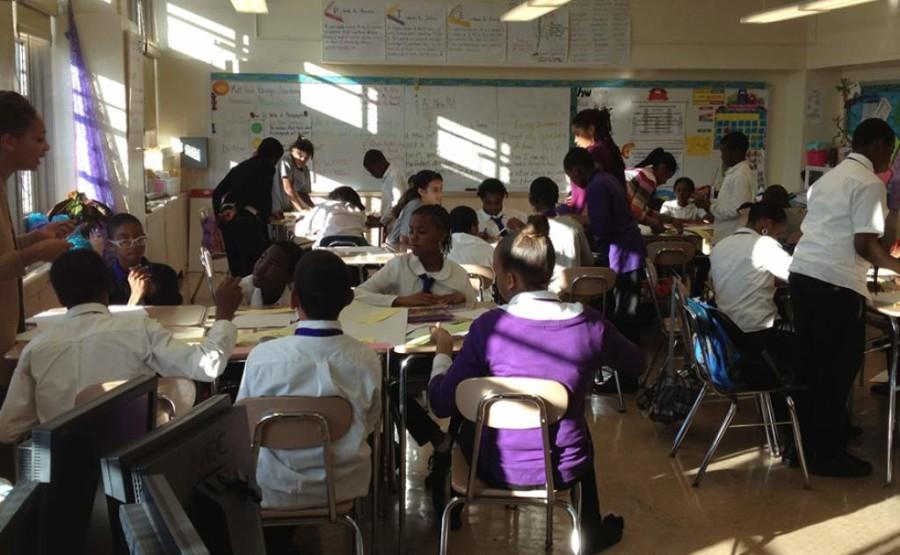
23	142
293	183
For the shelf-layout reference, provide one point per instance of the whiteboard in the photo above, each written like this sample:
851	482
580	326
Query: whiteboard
467	133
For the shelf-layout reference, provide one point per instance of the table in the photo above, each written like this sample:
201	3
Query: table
364	256
700	235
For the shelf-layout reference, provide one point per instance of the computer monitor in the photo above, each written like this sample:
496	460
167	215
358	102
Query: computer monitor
205	456
159	524
64	453
19	518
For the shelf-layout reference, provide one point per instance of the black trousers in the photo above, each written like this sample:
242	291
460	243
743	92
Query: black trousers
623	310
245	240
831	329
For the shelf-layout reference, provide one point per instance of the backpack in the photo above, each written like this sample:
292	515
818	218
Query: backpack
670	397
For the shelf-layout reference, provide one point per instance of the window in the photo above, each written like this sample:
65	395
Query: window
141	14
24	180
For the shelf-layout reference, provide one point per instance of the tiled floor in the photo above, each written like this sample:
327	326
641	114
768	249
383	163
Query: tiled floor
747	504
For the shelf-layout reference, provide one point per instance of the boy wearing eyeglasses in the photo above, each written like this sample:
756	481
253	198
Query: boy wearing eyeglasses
136	280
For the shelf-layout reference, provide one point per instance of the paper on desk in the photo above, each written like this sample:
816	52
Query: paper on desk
247	337
278	320
54	315
263	311
28	335
472	314
457	329
377	315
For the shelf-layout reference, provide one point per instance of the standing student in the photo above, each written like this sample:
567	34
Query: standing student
23	142
391	177
570	243
536	335
493	220
243	201
425	188
592	130
423	277
136	280
652	172
293	182
91	346
318	360
273	274
738	186
340	218
682	207
467	246
847	208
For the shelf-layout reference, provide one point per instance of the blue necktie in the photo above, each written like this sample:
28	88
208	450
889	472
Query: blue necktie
317	332
427	283
499	221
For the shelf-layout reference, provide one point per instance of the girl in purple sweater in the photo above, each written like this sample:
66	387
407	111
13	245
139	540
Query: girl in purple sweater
536	335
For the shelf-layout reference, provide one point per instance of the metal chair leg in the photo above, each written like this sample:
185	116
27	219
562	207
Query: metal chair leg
766	422
445	524
715	444
773	421
548	540
798	439
575	540
688	420
359	548
197	288
619	391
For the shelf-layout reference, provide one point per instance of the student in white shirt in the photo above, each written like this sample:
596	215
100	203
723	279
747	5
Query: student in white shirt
340	218
270	282
91	346
567	235
493	220
738	186
392	183
467	247
423	277
682	208
425	188
319	360
846	216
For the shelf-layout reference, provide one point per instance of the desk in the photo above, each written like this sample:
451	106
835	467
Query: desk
364	256
699	235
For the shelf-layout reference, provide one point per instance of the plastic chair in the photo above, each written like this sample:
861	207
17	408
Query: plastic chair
481	278
588	284
296	422
702	350
174	396
511	404
212	248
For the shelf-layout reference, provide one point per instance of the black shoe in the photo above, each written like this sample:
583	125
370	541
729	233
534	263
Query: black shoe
629	385
598	537
879	388
437	480
841	466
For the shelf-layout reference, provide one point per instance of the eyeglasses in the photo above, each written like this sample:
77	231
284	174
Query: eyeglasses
129	243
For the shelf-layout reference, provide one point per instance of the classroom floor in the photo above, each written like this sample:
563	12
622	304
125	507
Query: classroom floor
747	503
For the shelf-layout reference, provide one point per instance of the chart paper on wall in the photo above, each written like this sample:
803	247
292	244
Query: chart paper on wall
542	41
600	32
416	32
353	30
475	33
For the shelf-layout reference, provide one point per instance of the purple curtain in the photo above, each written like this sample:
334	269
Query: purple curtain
91	160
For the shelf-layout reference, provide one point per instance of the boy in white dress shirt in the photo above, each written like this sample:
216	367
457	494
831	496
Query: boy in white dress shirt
392	182
738	186
318	361
273	273
493	220
91	346
682	206
467	247
846	216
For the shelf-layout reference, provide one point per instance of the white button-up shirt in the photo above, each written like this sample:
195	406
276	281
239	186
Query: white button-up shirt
392	186
848	200
91	346
571	246
690	212
316	367
743	268
738	187
487	225
400	277
332	217
471	249
253	295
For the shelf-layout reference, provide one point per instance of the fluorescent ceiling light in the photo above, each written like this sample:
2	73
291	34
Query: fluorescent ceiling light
250	6
783	13
532	9
822	5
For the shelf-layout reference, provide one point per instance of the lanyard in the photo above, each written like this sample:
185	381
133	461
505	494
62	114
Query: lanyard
317	332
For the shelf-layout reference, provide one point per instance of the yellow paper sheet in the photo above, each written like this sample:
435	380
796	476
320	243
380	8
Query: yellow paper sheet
376	316
263	311
699	145
247	337
457	329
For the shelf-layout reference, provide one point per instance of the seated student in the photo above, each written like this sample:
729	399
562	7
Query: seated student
137	281
91	346
778	195
493	220
423	277
318	361
536	336
340	218
467	246
273	274
744	267
566	234
425	188
391	181
682	208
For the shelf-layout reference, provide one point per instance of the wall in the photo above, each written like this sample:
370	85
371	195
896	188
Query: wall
864	34
7	46
707	43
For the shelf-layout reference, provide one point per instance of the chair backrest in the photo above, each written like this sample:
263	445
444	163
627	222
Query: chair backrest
206	260
480	277
289	422
166	409
511	401
586	283
671	253
182	392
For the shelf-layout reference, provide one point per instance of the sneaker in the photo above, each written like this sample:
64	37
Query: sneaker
596	538
841	466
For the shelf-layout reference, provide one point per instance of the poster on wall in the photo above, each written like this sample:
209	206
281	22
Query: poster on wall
416	32
475	32
353	30
542	41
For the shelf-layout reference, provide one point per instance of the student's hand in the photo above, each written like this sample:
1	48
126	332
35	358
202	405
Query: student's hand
228	298
515	224
452	298
56	230
140	283
418	299
98	241
442	340
47	250
228	214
